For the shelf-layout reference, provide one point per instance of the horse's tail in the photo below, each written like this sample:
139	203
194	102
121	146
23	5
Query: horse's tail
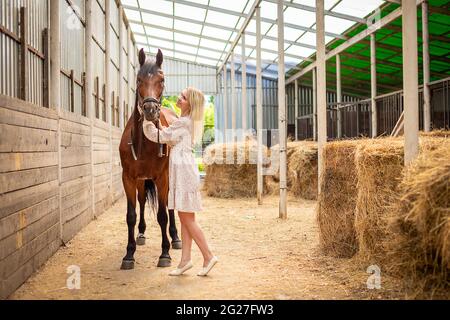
151	194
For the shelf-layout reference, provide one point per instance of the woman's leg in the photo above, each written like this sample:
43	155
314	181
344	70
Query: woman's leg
186	241
196	233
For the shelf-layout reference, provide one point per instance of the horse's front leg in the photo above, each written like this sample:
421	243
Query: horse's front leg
176	242
140	239
130	190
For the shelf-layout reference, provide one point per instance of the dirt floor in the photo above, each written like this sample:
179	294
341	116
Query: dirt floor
261	257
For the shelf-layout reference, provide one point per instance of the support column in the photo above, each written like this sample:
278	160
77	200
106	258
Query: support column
296	108
259	111
121	62
339	95
90	112
282	112
314	102
225	102
55	87
321	85
426	69
410	80
233	98
244	85
107	92
373	84
128	70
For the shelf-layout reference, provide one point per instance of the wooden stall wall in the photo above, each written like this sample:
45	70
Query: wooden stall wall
47	191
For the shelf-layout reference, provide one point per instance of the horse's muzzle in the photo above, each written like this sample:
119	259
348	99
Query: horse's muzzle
151	111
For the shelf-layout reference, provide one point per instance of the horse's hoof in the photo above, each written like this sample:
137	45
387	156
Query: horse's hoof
164	262
140	240
127	265
176	244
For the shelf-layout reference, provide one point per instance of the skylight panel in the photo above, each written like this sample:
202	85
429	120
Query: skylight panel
268	10
216	33
299	17
208	53
185	48
132	14
354	7
137	28
206	61
187	26
157	5
337	25
160	43
212	44
184	56
233	5
186	38
157	20
190	12
159	33
132	3
222	19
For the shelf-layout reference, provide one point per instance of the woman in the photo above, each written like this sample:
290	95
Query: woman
184	180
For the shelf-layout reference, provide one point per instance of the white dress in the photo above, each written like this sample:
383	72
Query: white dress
184	177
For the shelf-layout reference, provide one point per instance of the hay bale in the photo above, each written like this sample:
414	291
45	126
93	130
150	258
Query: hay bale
419	245
301	170
337	201
379	165
231	169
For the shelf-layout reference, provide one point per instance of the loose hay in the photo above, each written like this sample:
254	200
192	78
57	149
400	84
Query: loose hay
235	176
337	200
419	244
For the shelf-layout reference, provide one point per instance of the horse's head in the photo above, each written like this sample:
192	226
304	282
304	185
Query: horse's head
150	85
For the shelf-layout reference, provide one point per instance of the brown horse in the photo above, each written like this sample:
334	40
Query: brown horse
145	169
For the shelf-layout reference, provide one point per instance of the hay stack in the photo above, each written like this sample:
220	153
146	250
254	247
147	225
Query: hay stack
301	170
419	245
337	201
379	165
232	178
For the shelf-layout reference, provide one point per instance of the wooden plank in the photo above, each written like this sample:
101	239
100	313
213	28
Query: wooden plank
26	107
17	200
101	132
100	125
101	147
72	127
75	156
21	119
15	180
19	257
76	208
96	139
21	219
101	157
75	185
9	285
74	140
29	160
102	169
74	117
74	198
75	172
21	139
72	227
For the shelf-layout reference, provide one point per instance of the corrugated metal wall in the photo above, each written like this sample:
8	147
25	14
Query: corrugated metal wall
180	74
270	103
37	16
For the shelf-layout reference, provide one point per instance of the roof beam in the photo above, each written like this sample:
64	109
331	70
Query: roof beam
326	12
360	36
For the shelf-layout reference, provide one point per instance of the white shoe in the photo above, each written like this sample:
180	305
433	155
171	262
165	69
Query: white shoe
180	271
208	268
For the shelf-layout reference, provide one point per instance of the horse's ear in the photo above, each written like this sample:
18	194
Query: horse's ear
159	58
142	57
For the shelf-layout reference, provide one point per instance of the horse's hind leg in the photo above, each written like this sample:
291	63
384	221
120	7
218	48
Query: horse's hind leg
130	190
176	242
140	239
164	259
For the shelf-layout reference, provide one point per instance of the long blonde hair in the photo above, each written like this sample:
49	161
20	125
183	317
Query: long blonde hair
196	100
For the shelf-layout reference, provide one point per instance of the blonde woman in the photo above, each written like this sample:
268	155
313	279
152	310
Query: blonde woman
184	179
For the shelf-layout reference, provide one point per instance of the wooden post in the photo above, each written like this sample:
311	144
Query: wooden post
225	102
338	95
314	102
282	211
97	98
244	84
83	95
54	90
46	68
233	98
128	70
120	93
296	108
321	85
259	110
24	60
410	80
373	84
426	68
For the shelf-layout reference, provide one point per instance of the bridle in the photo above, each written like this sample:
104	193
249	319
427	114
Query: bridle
140	106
